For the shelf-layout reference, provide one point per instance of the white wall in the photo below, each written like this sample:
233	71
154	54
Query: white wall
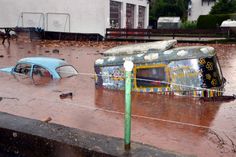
199	9
86	16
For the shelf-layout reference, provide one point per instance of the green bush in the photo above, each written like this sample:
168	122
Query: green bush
213	21
224	7
189	25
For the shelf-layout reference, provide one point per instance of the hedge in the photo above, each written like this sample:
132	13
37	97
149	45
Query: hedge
213	21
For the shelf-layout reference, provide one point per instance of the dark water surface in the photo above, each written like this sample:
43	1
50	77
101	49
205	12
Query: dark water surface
182	124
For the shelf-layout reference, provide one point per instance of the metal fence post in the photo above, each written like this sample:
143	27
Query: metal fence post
128	65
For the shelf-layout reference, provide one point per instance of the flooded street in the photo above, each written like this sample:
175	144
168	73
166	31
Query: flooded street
181	124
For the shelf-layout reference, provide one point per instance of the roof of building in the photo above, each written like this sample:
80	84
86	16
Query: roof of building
169	20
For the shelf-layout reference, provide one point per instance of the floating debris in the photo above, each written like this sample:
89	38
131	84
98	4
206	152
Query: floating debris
66	95
59	91
55	51
1	98
1	56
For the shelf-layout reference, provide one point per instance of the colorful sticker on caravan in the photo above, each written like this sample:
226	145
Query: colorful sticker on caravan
193	70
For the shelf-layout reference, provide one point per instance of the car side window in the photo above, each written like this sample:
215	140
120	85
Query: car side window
23	68
66	71
41	75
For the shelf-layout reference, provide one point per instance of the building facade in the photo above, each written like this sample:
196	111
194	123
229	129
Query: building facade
77	16
199	7
129	13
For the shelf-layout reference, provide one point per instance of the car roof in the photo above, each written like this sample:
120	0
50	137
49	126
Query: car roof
48	62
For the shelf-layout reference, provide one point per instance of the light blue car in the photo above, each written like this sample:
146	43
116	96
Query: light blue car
41	67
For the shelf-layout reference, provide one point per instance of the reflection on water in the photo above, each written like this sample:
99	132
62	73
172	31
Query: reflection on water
174	108
181	124
168	111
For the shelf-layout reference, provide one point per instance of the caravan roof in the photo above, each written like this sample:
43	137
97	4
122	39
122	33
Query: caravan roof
140	48
155	55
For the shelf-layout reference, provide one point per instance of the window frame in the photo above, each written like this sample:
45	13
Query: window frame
63	66
30	69
36	65
115	9
130	15
141	16
166	69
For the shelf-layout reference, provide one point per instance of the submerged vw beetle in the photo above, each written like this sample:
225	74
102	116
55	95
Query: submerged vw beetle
160	68
41	68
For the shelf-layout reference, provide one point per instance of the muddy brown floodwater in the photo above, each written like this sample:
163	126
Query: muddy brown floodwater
181	124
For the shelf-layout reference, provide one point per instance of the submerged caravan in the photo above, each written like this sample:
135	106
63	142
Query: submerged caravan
161	68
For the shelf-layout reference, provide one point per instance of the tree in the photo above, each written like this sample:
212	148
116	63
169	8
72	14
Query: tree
224	7
168	8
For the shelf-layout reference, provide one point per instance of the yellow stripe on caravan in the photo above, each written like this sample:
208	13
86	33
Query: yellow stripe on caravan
151	89
219	93
211	94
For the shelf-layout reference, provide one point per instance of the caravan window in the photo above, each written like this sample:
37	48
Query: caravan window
151	76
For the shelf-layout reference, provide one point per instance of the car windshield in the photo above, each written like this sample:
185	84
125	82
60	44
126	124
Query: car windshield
66	71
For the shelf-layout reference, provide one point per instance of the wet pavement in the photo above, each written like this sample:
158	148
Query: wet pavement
181	124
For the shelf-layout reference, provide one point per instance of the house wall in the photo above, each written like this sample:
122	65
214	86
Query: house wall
79	16
198	8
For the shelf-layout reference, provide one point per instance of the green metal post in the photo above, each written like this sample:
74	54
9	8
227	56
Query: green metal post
127	109
128	68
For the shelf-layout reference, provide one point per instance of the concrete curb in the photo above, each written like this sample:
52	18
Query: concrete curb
32	138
